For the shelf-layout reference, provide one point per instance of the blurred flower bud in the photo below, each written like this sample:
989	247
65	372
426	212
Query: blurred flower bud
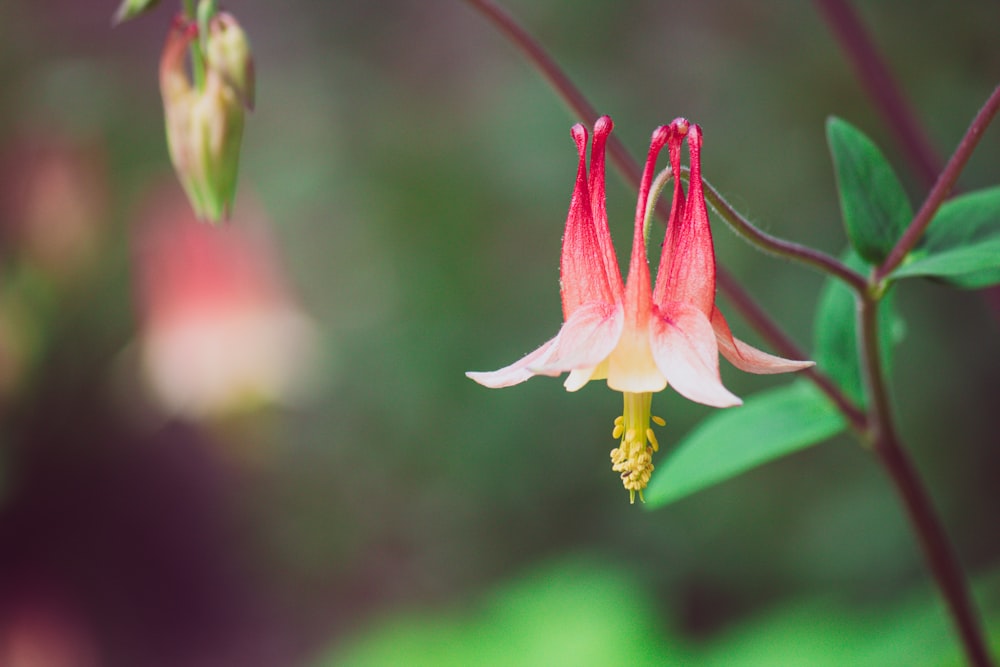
129	9
204	128
228	54
220	331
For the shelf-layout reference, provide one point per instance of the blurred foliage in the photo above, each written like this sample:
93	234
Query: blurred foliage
417	173
587	614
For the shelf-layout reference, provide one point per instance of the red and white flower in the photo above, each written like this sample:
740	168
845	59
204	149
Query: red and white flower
637	337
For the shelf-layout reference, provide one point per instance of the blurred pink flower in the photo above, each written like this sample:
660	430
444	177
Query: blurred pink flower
53	201
40	631
220	330
637	338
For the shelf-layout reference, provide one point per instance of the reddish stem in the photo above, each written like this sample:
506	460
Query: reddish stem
881	87
942	187
941	559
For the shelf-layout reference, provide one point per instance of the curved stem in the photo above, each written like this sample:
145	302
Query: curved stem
942	187
934	542
776	246
881	87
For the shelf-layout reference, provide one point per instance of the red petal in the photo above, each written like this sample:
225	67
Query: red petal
598	206
687	263
637	288
582	272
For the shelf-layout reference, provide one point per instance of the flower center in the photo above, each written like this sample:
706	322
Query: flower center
633	458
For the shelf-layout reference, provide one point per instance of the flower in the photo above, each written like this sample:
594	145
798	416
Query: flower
221	332
640	339
205	123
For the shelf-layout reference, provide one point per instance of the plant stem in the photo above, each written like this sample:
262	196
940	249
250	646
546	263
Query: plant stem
779	247
197	58
877	425
942	187
881	87
933	539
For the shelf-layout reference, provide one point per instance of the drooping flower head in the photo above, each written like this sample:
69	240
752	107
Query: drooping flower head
205	123
637	336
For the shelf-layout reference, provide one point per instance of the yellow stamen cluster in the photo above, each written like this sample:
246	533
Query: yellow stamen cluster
633	458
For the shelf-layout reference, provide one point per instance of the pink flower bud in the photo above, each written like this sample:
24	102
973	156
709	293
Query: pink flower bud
228	54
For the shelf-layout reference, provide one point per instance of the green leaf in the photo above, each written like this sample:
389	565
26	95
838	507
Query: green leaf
962	243
836	339
769	425
129	9
565	613
875	207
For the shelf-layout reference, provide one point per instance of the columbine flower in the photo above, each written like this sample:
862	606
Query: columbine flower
205	125
640	339
221	332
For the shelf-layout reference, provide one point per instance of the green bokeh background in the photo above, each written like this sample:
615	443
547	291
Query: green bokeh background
418	173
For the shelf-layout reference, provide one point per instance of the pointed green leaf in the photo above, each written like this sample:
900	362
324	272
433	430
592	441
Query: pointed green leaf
875	207
962	243
767	426
836	340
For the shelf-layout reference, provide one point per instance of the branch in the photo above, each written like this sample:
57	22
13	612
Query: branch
942	187
937	549
780	247
881	87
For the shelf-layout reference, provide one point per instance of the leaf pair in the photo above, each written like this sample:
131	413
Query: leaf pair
961	245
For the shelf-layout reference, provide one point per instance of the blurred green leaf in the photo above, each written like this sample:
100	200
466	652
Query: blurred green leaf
569	613
962	243
836	338
875	207
912	629
833	633
129	9
769	425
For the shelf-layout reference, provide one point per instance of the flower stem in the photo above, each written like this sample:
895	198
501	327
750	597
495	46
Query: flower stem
942	187
933	539
881	87
779	247
197	58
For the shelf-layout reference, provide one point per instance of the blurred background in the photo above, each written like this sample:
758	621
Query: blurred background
256	445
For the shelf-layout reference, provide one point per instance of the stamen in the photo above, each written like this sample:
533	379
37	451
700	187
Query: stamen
659	421
633	458
652	439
